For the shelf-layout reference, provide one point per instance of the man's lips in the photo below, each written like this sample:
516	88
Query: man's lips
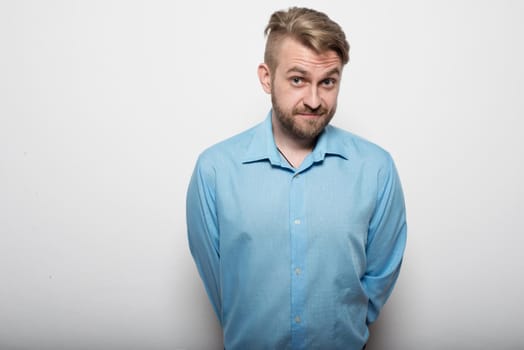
310	115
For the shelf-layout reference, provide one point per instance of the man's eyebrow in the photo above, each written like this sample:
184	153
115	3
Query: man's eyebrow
297	70
334	71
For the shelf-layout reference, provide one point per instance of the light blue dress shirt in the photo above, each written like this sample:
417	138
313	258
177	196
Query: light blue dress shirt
296	258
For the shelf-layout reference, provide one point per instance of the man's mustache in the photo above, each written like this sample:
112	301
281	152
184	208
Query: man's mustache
308	110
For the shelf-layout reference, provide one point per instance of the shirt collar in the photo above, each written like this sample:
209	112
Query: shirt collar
330	143
262	145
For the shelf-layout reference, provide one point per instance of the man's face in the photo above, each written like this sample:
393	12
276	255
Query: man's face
304	90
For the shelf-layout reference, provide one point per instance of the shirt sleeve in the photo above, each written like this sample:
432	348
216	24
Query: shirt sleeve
386	242
203	233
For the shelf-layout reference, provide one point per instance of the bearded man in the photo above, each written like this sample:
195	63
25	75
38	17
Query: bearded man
297	227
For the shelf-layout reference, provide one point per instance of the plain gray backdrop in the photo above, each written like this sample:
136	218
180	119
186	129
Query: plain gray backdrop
105	106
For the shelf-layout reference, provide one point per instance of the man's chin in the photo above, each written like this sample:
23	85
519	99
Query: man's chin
308	132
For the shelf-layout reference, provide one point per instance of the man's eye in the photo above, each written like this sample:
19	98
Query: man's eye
296	80
329	82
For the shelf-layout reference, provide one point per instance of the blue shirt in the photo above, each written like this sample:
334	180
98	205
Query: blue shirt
296	258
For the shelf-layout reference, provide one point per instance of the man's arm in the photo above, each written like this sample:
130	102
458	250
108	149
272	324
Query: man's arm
203	233
386	242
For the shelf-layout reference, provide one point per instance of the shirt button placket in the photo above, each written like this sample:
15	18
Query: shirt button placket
298	237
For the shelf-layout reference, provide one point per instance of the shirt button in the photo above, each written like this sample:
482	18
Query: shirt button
297	222
297	319
298	271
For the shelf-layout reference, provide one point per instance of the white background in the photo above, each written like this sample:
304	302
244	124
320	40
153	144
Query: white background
105	105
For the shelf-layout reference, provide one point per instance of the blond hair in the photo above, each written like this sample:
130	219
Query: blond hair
311	28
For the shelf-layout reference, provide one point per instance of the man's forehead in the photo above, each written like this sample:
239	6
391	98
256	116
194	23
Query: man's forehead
308	66
294	56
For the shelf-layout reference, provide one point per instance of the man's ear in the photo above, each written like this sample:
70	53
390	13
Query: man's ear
264	75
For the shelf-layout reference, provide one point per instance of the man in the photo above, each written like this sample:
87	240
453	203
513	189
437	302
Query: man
297	227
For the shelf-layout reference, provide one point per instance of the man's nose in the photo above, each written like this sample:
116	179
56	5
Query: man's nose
312	99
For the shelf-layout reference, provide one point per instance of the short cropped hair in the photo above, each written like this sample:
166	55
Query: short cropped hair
311	28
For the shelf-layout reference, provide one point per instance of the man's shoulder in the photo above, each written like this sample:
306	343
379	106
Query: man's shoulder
230	148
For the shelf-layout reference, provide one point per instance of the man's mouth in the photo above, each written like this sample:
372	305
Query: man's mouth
309	115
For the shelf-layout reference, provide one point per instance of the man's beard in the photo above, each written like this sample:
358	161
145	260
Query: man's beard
305	129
